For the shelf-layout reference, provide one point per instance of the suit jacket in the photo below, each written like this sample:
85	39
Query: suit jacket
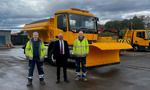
59	59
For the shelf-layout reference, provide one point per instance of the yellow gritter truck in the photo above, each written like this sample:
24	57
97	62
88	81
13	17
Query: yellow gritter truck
139	39
69	22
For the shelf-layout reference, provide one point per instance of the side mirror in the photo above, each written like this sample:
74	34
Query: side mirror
96	18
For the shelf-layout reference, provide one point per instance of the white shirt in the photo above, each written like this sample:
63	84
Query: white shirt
63	46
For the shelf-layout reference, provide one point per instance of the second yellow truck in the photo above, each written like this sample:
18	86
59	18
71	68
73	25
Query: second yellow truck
139	39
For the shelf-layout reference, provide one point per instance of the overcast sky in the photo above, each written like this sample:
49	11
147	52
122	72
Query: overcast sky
14	14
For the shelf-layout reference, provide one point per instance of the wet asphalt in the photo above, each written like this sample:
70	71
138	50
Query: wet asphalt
133	73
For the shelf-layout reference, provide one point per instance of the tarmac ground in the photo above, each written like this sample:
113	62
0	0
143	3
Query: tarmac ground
133	73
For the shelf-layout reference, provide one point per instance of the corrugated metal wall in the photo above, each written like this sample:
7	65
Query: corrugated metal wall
5	37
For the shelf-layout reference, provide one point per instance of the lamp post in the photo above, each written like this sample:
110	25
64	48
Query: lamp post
3	25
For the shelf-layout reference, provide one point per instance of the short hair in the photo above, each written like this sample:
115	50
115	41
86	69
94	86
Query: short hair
35	33
80	31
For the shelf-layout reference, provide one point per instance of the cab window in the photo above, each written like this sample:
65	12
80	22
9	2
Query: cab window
141	35
62	22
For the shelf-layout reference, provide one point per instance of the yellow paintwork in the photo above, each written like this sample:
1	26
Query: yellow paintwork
98	57
51	25
105	53
107	40
99	54
140	41
132	35
112	46
74	12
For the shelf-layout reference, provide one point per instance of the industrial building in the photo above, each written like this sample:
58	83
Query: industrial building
5	37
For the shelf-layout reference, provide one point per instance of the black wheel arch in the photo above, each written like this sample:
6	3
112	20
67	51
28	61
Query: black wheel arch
136	45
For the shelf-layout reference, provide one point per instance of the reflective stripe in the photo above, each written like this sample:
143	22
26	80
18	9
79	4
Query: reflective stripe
28	48
84	74
81	46
43	49
78	73
41	76
85	42
30	77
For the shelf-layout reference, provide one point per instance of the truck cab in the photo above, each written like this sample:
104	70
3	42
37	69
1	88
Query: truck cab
70	21
140	39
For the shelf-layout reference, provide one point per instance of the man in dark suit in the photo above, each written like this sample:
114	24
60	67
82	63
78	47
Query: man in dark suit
61	55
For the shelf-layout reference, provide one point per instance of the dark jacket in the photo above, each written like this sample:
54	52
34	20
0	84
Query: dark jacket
24	48
59	59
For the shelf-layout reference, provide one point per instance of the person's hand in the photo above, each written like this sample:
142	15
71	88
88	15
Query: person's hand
55	60
39	60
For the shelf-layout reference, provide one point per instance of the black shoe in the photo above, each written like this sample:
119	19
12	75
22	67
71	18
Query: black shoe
58	81
66	80
29	83
42	82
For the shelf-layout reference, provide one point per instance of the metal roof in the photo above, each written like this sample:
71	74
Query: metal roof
5	30
44	20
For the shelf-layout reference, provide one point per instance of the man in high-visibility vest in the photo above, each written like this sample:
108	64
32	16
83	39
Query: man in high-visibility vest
35	53
81	50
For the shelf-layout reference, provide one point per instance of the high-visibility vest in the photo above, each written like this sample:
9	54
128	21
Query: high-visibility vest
81	48
29	50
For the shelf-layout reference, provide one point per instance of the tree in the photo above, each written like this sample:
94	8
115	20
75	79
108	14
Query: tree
100	26
137	23
146	20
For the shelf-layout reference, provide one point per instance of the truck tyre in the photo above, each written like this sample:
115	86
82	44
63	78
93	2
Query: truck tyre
50	57
136	48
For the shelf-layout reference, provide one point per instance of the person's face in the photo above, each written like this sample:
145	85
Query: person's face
36	36
81	34
60	36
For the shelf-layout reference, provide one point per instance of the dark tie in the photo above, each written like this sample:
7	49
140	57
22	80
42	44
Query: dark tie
61	48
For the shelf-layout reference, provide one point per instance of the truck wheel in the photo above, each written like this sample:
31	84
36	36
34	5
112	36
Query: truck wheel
136	48
50	57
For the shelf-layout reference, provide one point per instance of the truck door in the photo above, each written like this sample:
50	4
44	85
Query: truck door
62	26
140	38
